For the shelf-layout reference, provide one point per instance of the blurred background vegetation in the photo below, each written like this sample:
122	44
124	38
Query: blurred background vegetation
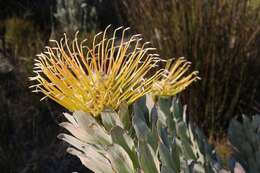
221	38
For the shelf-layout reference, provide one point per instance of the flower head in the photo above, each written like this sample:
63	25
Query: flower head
174	78
93	78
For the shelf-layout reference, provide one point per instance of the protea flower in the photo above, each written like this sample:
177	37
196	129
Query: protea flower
91	79
174	78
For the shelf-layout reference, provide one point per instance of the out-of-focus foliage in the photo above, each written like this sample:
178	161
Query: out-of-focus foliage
245	138
23	36
75	15
221	38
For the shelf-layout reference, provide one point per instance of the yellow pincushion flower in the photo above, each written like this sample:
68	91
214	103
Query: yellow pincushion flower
173	78
91	79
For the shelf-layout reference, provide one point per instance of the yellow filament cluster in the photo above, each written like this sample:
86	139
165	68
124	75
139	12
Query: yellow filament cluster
91	79
113	70
173	79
